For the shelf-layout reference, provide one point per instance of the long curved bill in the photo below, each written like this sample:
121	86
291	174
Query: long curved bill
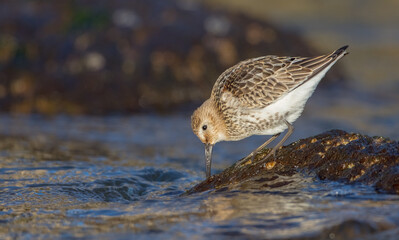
208	159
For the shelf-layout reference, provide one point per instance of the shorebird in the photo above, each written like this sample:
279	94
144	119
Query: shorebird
259	96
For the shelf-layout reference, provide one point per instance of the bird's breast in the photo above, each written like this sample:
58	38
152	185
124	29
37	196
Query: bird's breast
245	123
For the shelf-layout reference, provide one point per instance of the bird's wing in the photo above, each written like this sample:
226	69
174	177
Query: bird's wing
258	82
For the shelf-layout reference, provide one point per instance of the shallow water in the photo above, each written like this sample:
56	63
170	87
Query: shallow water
103	177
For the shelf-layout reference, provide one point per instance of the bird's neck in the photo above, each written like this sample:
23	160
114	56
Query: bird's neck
218	120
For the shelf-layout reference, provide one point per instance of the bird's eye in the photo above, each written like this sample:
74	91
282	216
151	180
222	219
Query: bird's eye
204	127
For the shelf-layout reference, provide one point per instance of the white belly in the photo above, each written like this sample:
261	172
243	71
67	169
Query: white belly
289	107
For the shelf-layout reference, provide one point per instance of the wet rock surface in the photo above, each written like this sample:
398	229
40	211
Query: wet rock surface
100	57
334	155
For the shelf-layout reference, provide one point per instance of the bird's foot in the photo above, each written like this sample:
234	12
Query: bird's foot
272	152
248	159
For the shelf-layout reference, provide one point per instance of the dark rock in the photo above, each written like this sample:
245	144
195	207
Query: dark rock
335	155
101	57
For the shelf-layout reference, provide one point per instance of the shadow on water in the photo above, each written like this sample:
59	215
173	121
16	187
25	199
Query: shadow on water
125	190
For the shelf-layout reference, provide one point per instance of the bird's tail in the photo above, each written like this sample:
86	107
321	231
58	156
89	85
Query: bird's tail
340	52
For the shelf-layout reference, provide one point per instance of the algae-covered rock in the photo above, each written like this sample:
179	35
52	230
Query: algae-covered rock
334	155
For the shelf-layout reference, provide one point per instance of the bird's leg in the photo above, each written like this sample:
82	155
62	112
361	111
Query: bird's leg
253	153
289	132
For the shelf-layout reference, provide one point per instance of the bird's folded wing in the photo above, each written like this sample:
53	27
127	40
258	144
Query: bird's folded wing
257	83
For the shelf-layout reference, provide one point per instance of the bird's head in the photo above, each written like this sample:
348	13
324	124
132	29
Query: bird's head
207	123
209	127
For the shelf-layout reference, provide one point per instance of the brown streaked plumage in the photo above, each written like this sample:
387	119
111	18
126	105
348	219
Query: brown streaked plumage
259	96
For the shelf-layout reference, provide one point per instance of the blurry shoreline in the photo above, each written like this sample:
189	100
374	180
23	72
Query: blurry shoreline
83	57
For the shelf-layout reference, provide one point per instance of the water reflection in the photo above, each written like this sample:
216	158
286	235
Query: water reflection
301	208
149	200
85	176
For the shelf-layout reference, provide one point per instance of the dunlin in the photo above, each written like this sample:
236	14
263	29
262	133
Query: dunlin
259	96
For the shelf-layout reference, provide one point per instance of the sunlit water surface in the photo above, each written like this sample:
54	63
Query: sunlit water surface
123	177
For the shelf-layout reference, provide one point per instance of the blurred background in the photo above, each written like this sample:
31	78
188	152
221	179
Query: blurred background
85	57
